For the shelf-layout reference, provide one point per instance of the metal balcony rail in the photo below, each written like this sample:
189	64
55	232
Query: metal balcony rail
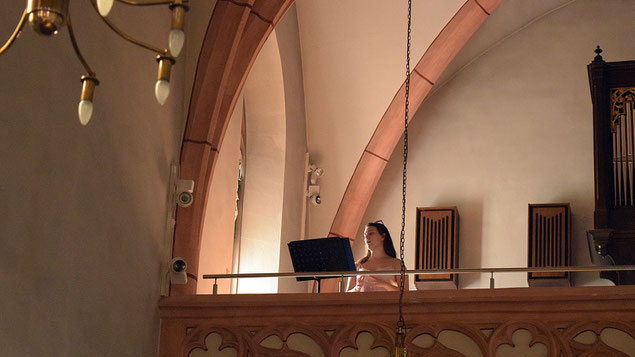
344	274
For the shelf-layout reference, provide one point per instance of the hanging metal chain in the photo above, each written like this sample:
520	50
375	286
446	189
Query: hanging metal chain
401	325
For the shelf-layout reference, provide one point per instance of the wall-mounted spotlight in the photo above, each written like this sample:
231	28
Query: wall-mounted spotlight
316	173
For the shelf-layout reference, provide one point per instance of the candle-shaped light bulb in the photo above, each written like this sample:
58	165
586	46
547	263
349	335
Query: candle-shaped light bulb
177	36
85	108
85	111
162	87
104	7
162	90
175	42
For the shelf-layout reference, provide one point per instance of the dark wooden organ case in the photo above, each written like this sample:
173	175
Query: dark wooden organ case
612	240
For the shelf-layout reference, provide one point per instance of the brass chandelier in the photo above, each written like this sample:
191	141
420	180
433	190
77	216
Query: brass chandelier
47	17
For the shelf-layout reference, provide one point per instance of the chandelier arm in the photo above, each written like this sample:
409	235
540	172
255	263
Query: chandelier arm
131	39
81	58
15	33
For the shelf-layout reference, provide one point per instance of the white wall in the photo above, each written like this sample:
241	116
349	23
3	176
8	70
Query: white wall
264	169
217	241
288	38
512	128
84	208
353	55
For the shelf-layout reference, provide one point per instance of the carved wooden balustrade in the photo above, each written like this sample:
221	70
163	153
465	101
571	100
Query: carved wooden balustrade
572	321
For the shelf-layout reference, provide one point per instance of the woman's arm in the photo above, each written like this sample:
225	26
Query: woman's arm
352	282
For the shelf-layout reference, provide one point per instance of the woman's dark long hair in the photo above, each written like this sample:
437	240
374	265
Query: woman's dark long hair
389	248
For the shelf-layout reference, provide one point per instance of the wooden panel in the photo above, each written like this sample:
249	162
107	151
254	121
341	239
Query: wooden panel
549	243
617	248
485	317
437	246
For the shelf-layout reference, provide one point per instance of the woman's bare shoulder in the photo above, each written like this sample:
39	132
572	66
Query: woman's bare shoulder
396	263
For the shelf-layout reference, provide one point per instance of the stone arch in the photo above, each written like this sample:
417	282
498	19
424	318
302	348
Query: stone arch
235	35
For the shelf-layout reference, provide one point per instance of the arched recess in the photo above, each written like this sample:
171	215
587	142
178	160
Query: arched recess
235	34
265	169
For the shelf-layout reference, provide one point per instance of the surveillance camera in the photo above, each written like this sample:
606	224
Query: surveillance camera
179	265
185	199
316	200
184	196
178	268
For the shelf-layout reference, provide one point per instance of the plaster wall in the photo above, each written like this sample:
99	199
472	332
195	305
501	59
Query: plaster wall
288	38
264	169
353	55
84	208
217	241
513	127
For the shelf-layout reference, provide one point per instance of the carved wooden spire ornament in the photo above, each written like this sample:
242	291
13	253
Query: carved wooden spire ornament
598	58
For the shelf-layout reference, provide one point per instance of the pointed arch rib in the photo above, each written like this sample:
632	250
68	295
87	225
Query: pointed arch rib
390	128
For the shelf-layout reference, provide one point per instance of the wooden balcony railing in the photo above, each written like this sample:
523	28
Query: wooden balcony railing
571	321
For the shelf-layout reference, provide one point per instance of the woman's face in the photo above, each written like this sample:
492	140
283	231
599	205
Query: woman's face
373	239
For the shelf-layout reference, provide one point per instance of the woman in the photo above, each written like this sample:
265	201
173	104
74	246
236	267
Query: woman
380	255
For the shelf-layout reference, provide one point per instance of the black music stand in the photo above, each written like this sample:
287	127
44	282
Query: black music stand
321	255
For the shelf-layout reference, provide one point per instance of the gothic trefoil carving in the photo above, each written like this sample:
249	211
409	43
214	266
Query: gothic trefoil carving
438	339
